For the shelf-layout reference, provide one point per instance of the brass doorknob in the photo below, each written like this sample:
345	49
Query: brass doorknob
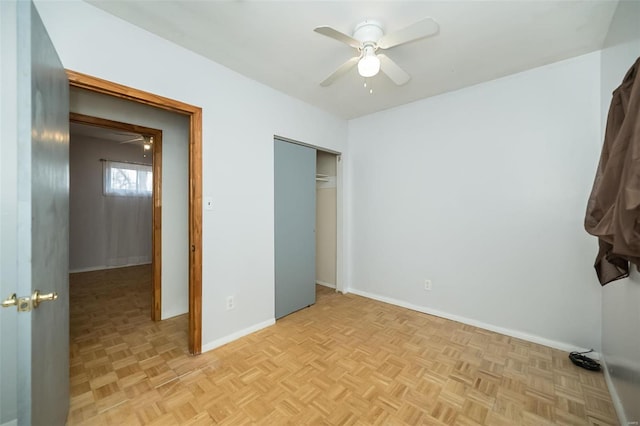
38	298
10	301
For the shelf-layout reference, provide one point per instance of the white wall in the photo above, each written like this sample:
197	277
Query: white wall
240	118
483	191
98	240
621	299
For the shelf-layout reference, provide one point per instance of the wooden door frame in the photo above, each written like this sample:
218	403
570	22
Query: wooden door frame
156	199
194	114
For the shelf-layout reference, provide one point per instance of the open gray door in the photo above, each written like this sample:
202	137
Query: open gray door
35	212
295	221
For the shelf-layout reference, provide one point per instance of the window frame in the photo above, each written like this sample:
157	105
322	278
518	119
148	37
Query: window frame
143	189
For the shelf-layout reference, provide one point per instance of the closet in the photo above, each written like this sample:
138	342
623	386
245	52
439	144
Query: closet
305	201
326	218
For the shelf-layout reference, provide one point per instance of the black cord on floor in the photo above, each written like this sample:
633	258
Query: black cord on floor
580	360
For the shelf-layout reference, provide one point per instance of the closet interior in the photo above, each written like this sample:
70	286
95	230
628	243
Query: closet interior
326	218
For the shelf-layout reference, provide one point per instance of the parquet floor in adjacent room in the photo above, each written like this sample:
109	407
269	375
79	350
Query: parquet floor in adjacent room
345	360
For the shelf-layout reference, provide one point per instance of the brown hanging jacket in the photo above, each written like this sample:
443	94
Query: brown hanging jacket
613	211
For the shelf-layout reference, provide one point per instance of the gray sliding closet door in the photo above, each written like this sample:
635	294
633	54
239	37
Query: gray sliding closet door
295	221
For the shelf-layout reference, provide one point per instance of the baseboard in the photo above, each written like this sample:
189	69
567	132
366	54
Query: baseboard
102	267
238	334
613	391
566	347
166	316
13	422
322	283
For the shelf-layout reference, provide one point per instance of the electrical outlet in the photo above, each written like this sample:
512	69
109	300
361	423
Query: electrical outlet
427	285
231	303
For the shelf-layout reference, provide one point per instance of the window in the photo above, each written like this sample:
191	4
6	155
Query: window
127	179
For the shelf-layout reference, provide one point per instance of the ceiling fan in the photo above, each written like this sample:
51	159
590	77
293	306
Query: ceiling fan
369	37
145	141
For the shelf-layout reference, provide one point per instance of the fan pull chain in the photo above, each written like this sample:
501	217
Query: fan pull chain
370	88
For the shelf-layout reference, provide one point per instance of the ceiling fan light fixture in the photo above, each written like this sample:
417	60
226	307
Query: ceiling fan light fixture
369	64
369	37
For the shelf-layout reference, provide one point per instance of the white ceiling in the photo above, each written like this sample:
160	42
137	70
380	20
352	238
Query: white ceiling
273	42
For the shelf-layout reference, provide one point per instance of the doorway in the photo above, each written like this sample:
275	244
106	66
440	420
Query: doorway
137	148
194	115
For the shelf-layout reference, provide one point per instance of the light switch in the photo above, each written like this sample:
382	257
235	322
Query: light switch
208	203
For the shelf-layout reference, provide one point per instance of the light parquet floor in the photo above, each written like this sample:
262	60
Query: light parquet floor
345	360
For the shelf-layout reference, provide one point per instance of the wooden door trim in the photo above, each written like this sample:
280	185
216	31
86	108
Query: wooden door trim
156	202
194	113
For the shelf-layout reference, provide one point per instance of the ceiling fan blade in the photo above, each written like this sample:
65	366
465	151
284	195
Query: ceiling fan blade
342	70
136	139
337	35
421	29
392	70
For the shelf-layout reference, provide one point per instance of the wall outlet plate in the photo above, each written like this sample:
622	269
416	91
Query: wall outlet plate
231	303
427	285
